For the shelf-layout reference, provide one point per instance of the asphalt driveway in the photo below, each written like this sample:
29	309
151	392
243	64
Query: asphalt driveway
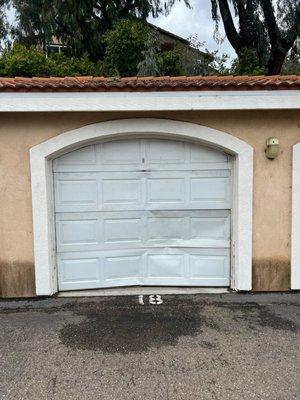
231	346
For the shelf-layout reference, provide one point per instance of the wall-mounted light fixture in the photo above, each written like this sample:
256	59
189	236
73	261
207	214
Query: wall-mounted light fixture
272	149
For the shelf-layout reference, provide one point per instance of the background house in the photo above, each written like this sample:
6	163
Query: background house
167	41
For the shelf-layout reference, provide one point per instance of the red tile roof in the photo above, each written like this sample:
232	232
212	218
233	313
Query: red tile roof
143	84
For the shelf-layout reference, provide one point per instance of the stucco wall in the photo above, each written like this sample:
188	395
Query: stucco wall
272	186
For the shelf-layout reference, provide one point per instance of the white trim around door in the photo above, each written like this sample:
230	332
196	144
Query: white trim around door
41	157
295	256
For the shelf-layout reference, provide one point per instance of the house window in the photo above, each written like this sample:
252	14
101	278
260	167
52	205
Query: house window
56	48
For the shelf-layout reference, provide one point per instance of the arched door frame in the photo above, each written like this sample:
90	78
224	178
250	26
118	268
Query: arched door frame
41	157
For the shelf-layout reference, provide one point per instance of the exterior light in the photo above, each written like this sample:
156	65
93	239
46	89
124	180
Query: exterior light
272	149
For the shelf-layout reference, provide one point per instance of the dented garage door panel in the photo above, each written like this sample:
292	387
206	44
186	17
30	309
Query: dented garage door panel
143	212
139	229
157	267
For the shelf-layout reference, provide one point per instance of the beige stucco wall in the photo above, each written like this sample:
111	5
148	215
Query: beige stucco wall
272	186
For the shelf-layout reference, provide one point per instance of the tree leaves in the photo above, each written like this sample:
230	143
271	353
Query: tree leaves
80	24
265	28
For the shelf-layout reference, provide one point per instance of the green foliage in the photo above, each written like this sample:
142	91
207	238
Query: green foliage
35	23
132	49
2	65
79	24
201	61
247	64
170	63
62	65
191	60
291	65
22	61
25	62
125	47
148	66
268	28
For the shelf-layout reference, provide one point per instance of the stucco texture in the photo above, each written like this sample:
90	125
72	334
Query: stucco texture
272	186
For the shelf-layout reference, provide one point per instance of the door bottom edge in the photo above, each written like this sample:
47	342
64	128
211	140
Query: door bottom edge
143	290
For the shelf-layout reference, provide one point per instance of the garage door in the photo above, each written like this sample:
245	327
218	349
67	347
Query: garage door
142	212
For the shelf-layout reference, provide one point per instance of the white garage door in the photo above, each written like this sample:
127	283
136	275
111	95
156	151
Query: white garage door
143	212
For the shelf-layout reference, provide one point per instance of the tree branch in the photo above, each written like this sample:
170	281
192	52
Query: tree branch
291	35
231	32
245	31
270	19
281	42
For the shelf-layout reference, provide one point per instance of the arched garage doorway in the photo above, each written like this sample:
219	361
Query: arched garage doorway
142	202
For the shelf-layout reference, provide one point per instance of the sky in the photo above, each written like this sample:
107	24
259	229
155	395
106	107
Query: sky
186	22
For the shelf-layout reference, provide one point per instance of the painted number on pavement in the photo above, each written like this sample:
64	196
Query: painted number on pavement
154	299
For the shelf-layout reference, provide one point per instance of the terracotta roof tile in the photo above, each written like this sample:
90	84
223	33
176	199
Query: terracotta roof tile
149	83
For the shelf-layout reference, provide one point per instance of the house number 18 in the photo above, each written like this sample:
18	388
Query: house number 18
154	299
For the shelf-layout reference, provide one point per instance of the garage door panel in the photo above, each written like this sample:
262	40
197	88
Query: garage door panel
135	155
121	229
165	227
166	190
78	232
201	154
165	266
76	194
144	190
99	269
165	152
121	267
126	192
142	212
212	227
209	192
78	273
137	229
85	156
213	267
187	267
121	152
193	268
